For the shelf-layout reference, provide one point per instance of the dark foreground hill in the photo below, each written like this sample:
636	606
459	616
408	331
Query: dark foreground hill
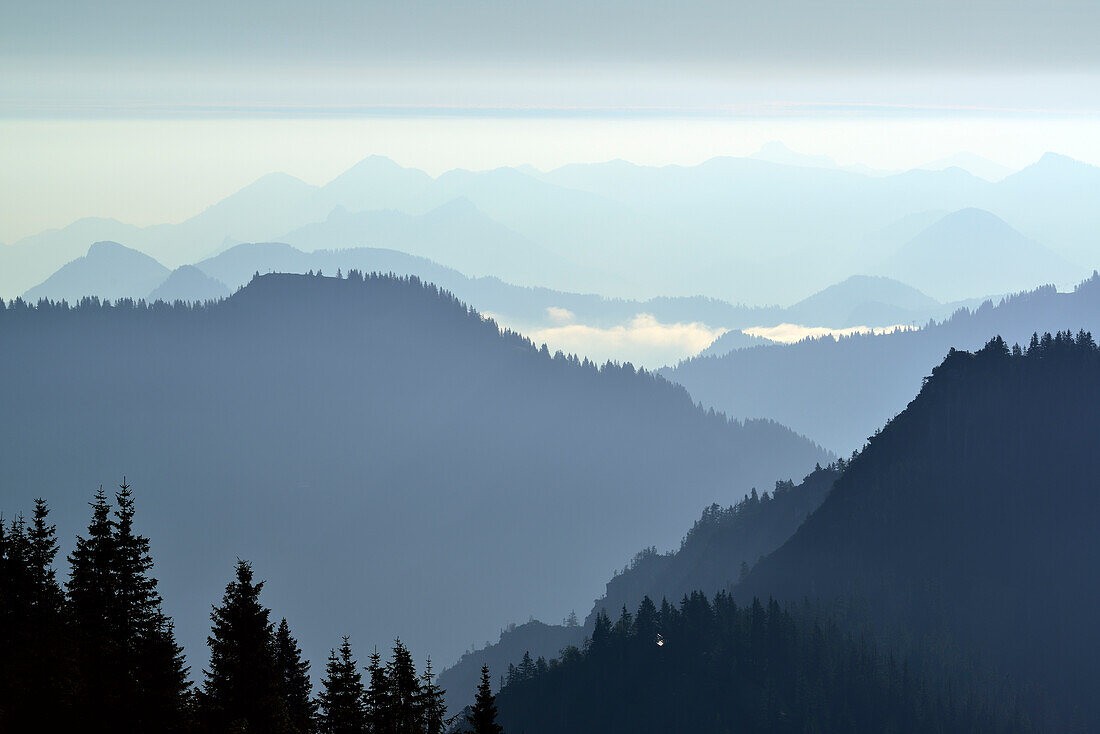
711	666
970	523
399	465
714	555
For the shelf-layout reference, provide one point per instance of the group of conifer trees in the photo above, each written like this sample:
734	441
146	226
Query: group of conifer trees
98	653
710	665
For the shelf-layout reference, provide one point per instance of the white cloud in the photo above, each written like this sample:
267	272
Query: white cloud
560	316
643	341
788	333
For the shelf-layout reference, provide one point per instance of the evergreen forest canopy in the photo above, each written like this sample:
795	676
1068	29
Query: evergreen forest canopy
311	418
712	666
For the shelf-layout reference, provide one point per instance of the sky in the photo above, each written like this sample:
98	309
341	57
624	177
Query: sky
148	112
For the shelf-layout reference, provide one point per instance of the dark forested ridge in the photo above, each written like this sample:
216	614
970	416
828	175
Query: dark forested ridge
721	546
840	391
969	523
388	450
713	556
711	666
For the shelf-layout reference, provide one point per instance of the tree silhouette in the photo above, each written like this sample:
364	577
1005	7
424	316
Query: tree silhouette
404	690
482	718
243	686
342	694
294	674
433	707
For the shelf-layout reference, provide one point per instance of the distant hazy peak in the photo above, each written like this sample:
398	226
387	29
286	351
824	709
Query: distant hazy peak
777	152
276	180
374	165
974	217
188	283
1055	164
973	164
458	206
105	247
111	249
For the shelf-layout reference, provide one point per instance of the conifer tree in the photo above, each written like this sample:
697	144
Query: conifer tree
92	597
342	696
379	711
526	670
482	718
294	674
404	690
432	704
34	662
647	622
243	688
601	632
152	663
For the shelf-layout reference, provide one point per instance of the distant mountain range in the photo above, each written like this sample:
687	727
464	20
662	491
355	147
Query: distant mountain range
291	424
840	391
858	301
740	229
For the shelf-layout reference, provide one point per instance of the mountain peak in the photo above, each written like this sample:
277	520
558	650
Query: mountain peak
188	283
107	247
777	152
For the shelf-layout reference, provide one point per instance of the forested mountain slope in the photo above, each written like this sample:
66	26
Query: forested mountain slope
720	547
970	522
712	666
716	552
840	391
292	424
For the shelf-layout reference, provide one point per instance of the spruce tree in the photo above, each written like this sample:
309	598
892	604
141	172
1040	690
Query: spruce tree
296	686
92	600
482	718
155	675
243	688
379	711
526	670
404	690
35	671
342	696
433	707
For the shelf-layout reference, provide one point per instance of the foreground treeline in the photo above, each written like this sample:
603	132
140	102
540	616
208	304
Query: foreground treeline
714	666
98	653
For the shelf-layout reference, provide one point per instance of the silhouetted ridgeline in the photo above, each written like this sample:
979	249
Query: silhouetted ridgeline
969	524
721	546
716	552
711	666
840	391
392	453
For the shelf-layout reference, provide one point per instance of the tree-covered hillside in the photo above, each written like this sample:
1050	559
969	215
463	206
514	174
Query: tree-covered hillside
712	666
969	524
713	556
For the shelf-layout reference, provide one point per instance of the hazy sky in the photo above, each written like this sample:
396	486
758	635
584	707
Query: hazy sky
148	112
